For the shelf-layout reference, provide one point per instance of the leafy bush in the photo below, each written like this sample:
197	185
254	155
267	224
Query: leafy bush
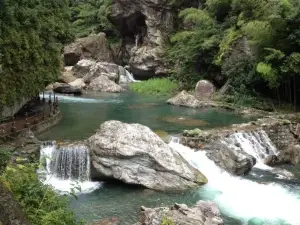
32	34
253	43
39	202
156	86
4	158
167	221
91	16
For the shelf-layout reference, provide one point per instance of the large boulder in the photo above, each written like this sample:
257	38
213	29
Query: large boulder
221	147
103	84
90	69
132	153
147	61
290	155
204	90
185	99
67	89
78	83
66	76
230	157
8	111
203	213
94	47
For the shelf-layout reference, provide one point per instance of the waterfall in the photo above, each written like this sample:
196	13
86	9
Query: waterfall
255	143
71	162
67	167
137	38
243	199
130	77
125	76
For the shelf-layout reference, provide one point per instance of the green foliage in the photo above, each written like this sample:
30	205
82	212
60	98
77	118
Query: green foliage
253	43
39	202
167	221
268	73
32	33
91	16
4	158
192	50
259	32
156	86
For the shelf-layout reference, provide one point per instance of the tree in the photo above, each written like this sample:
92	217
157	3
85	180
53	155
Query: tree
32	34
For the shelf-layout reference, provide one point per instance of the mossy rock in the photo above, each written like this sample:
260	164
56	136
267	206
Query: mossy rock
162	134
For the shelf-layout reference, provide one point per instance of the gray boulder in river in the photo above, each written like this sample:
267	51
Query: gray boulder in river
133	154
203	213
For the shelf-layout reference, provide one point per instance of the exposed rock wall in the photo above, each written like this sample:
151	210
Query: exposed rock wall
281	135
8	111
10	210
144	26
94	47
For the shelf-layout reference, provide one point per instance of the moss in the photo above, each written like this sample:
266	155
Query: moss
167	221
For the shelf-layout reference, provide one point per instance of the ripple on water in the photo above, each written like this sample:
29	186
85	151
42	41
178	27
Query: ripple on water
184	121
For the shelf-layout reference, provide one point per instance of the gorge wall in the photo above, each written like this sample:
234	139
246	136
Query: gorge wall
144	27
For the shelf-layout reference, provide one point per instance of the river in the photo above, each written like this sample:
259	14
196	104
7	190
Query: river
258	198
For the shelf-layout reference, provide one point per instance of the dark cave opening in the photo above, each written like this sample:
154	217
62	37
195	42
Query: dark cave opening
134	28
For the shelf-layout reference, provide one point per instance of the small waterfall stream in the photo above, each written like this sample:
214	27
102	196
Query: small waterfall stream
67	167
255	143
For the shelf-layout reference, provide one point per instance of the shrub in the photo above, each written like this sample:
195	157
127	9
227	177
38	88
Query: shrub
4	158
156	86
39	202
167	221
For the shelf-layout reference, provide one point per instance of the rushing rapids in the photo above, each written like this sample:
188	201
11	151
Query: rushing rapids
67	167
249	201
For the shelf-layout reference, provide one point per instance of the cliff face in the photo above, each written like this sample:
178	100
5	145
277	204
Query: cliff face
145	26
10	210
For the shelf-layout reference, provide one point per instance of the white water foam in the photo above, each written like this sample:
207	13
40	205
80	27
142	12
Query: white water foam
241	198
74	99
63	186
259	145
130	77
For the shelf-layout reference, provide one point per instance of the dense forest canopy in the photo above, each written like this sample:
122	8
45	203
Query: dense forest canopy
91	16
31	36
253	43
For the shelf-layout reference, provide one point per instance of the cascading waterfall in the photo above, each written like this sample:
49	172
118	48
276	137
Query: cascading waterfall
246	200
71	162
258	144
255	143
125	76
130	77
67	167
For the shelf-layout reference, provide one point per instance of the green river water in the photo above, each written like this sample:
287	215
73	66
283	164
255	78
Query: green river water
82	116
